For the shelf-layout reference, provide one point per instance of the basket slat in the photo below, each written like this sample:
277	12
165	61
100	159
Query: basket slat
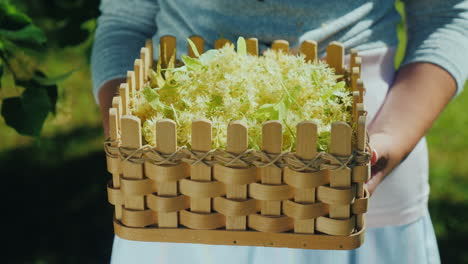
201	141
117	104
220	43
123	91
252	46
262	239
113	163
138	68
167	49
199	44
272	139
145	58
306	149
341	134
355	103
309	49
280	45
149	46
166	143
237	142
363	171
131	138
355	73
131	82
361	89
335	57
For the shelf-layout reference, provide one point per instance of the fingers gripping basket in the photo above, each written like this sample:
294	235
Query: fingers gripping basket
238	196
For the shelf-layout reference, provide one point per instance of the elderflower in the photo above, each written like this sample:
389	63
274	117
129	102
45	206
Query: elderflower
224	85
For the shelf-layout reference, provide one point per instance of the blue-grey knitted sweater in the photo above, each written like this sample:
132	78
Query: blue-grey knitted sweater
437	29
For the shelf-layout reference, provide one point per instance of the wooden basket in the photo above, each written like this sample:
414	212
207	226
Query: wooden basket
239	196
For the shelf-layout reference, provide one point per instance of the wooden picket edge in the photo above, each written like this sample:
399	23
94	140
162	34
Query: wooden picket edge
139	75
149	46
166	143
341	134
307	150
113	163
237	142
220	43
272	143
131	83
167	49
199	44
145	58
124	95
201	141
252	46
335	57
131	138
309	49
280	45
158	202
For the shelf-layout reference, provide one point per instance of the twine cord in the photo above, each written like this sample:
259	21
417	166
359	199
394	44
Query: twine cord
248	158
199	157
228	159
157	158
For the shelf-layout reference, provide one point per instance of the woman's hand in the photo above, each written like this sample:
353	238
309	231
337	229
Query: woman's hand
418	95
385	157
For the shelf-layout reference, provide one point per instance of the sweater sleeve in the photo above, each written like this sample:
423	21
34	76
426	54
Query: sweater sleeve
438	34
122	29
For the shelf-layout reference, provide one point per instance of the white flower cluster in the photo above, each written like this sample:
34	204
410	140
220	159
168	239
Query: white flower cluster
224	85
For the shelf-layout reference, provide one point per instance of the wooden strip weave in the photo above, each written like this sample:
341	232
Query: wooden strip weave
311	216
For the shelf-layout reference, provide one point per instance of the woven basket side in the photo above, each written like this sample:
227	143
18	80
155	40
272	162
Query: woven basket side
232	194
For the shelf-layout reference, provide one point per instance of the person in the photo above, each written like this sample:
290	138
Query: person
402	104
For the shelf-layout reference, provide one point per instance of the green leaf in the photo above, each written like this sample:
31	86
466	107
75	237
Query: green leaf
11	18
191	63
37	105
1	71
282	110
49	86
291	95
27	114
268	112
340	85
14	114
194	48
176	116
149	94
241	46
42	79
152	97
52	93
28	35
215	102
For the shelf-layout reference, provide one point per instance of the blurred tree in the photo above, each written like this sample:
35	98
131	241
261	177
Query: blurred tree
65	22
23	43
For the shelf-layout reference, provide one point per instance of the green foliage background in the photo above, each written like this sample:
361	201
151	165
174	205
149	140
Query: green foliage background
56	208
